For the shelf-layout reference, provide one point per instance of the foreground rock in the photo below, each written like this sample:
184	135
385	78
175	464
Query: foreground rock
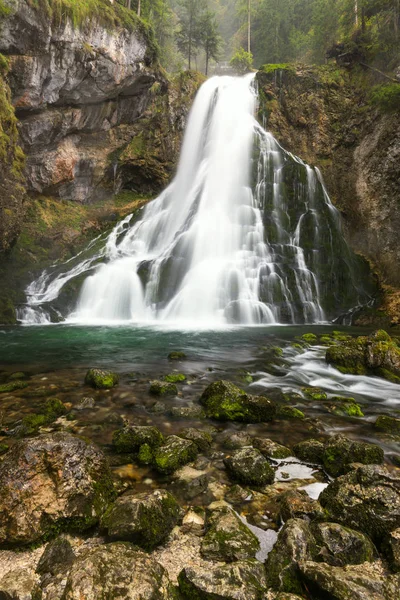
367	499
341	546
243	580
18	584
54	481
249	467
131	437
349	583
377	355
227	538
175	453
143	519
225	401
117	571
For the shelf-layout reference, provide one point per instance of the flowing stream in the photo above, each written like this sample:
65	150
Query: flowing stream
245	234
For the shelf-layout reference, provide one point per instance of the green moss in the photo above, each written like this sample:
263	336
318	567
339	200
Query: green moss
132	438
145	455
386	97
12	386
272	68
161	388
175	453
289	412
102	380
225	401
4	448
175	378
52	409
388	424
309	338
315	393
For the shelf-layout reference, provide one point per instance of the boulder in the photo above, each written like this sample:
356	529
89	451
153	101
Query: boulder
176	355
224	401
189	482
341	546
202	439
143	519
18	584
388	424
271	449
310	451
352	582
250	467
163	388
392	549
100	379
227	538
52	482
233	440
340	452
296	504
175	453
175	378
131	437
57	557
117	571
295	543
367	499
244	580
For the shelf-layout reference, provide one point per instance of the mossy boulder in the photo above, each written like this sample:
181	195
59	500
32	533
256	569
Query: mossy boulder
227	538
314	393
366	499
289	412
388	424
100	379
242	580
376	354
340	452
177	355
120	571
51	483
233	440
12	386
344	407
295	543
163	388
249	466
143	519
52	410
175	378
224	401
271	449
341	546
202	439
175	453
311	451
132	437
309	338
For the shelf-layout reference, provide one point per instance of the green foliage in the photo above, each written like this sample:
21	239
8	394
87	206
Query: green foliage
386	97
242	61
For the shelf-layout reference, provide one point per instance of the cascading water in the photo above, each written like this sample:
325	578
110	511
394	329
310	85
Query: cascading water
246	233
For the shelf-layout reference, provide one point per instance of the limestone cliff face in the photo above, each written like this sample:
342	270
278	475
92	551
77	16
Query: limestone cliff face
319	114
77	90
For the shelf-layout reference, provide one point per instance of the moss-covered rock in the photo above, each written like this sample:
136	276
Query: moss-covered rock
314	393
175	378
340	452
344	407
224	401
202	439
227	538
367	499
249	466
143	519
341	546
100	379
388	424
175	453
271	449
309	338
295	543
189	483
145	455
12	386
52	409
163	388
309	451
177	355
132	437
289	412
242	580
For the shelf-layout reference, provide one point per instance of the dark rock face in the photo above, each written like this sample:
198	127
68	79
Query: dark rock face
341	546
227	538
143	519
367	499
249	467
57	558
75	89
340	452
50	482
117	571
244	580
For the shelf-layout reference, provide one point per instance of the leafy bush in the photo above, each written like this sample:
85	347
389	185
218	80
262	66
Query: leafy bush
386	97
242	61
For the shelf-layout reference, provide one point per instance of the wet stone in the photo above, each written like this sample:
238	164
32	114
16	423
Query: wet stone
57	557
202	439
131	437
187	412
233	440
100	379
340	452
224	401
310	451
175	453
296	504
341	546
189	482
392	549
249	466
163	388
271	449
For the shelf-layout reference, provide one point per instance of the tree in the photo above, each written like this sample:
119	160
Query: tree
210	39
242	61
189	34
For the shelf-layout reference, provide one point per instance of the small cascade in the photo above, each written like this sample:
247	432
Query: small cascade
245	234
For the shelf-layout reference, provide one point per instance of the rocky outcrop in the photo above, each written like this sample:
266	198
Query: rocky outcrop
323	115
77	84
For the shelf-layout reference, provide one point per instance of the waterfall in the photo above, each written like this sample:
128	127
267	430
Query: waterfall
246	233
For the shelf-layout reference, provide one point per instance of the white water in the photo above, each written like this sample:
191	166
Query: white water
202	254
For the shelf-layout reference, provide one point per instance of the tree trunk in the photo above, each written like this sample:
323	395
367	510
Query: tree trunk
396	16
139	7
207	59
356	11
248	25
128	4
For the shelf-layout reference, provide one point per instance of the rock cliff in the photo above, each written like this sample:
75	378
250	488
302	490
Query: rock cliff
78	84
323	115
